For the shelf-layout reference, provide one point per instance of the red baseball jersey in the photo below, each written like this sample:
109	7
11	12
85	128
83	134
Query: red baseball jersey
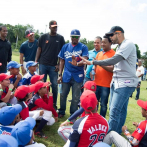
89	130
141	134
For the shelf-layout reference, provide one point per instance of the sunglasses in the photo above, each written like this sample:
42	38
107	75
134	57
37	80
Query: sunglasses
75	37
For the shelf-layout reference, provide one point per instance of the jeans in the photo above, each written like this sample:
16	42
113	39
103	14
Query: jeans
53	75
138	91
76	87
118	107
103	94
84	81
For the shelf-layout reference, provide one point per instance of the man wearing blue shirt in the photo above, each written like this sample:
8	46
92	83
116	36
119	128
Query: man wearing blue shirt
73	71
92	54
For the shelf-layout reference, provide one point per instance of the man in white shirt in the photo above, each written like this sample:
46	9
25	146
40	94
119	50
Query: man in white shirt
139	74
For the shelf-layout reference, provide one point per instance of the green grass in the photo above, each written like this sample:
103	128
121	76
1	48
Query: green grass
134	114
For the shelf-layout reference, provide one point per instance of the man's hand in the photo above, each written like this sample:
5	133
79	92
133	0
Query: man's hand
23	71
19	77
85	61
59	80
41	112
50	94
56	119
74	61
135	124
11	86
65	123
57	68
124	128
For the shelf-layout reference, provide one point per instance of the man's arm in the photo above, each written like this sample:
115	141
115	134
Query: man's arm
38	54
108	68
19	77
61	66
21	62
9	54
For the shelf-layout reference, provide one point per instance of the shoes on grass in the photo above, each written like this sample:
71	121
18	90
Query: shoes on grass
41	135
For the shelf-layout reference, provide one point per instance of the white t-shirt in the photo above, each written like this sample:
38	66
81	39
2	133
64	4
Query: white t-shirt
124	73
36	145
140	71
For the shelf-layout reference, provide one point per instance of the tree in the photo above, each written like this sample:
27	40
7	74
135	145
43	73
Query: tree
83	40
90	45
138	51
144	57
67	41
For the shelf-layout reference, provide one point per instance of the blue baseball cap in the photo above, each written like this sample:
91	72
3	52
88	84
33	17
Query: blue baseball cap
101	144
75	32
8	114
23	131
13	64
8	141
31	63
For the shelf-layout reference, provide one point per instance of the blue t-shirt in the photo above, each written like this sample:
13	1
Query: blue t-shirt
29	50
27	78
92	54
77	72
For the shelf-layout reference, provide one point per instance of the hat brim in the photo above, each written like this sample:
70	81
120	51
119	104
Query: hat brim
30	34
31	121
41	77
109	33
45	84
74	35
8	77
53	26
31	88
17	66
34	64
18	108
141	104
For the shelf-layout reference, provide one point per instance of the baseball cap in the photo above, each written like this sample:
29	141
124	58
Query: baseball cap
39	85
36	78
75	32
4	76
13	64
31	63
53	23
29	32
88	99
115	29
8	113
142	104
8	141
23	90
90	85
0	64
23	131
101	144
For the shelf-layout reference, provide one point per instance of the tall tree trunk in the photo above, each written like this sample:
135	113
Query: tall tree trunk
16	41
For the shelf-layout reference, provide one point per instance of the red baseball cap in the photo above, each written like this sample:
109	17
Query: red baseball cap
0	64
39	85
36	78
23	90
88	99
4	76
142	104
90	85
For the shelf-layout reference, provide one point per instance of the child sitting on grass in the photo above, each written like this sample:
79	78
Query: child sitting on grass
137	139
6	96
13	68
41	101
31	66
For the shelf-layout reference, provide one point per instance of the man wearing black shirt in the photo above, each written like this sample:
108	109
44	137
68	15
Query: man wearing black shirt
5	49
49	46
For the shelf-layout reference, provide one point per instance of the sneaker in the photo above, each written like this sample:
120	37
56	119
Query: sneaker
41	135
72	121
136	98
60	115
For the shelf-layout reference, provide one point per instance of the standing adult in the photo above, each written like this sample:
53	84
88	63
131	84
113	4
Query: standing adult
28	50
124	79
103	75
92	54
49	47
73	71
5	49
139	74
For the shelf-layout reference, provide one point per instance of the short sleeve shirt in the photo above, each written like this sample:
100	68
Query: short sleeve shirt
29	50
124	73
140	71
92	54
77	72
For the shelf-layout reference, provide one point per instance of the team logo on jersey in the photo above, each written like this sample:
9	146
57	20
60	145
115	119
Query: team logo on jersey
139	130
4	132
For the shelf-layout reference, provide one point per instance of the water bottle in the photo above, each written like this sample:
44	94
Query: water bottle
60	88
93	74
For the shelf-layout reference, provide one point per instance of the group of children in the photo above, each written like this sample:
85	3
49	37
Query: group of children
25	100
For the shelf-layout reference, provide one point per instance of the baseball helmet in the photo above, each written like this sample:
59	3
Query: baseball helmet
75	32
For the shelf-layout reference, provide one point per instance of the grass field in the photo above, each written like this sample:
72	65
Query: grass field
134	114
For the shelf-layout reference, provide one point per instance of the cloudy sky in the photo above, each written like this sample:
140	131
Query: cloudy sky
91	17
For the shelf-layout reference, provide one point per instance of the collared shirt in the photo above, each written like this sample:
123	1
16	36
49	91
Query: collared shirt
77	72
92	54
5	54
139	71
27	78
124	73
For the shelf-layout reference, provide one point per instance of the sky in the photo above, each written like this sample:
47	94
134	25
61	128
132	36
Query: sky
92	17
